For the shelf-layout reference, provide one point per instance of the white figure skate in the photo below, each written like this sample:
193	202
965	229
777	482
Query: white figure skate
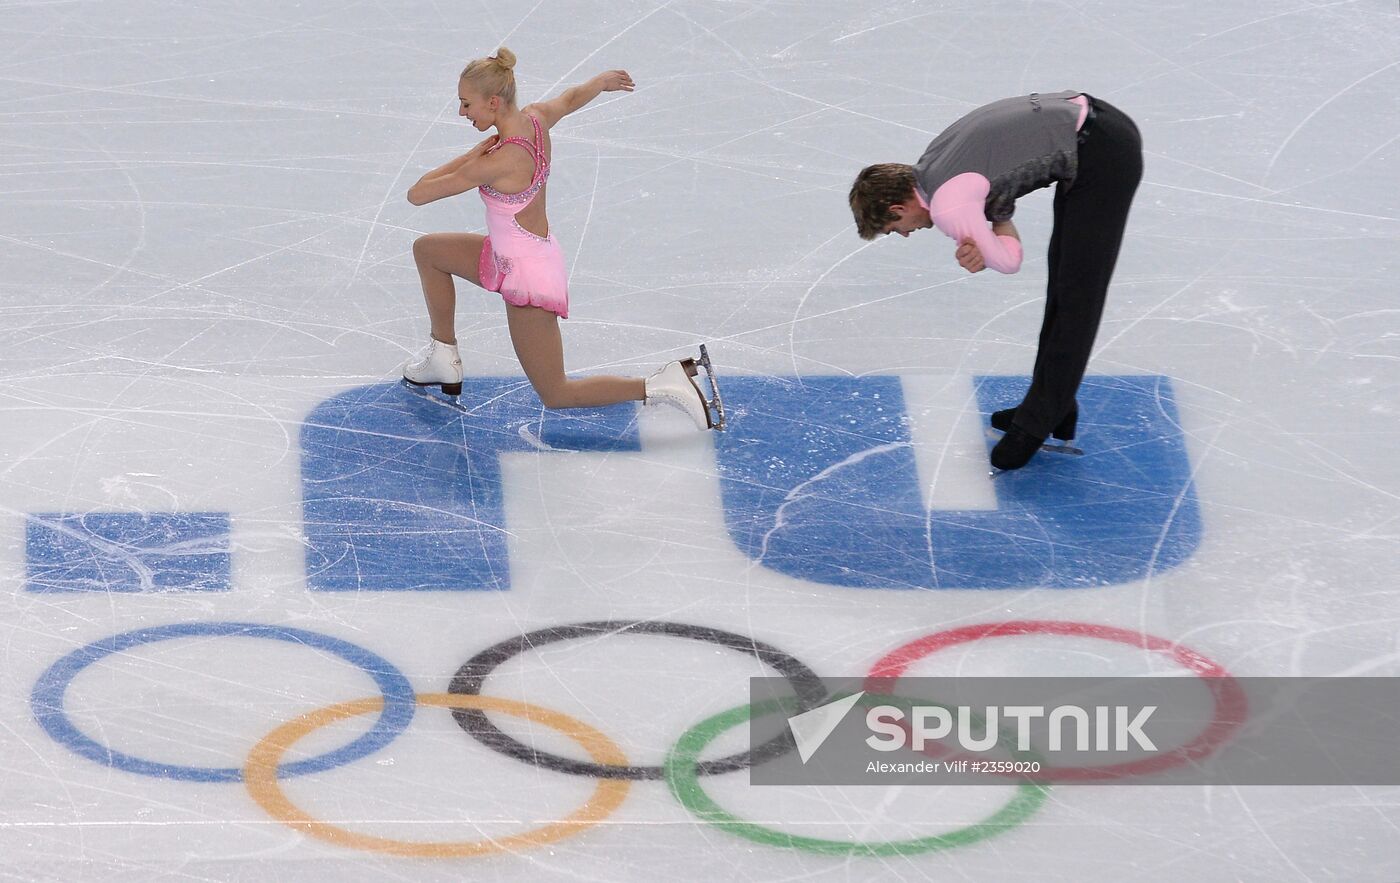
674	385
440	366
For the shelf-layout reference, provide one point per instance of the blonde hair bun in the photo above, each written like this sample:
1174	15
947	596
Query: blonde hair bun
494	75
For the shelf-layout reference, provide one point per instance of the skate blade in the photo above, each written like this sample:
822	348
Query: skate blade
449	402
1066	450
1060	448
715	403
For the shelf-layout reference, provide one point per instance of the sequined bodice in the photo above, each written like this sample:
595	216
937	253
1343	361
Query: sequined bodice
512	203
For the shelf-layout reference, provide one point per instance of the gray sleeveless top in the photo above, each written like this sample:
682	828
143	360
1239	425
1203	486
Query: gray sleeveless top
1019	144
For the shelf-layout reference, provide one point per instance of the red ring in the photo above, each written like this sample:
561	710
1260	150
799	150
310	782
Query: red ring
1231	706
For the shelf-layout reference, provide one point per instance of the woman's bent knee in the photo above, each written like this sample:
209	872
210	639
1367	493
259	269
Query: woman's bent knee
555	398
421	246
556	394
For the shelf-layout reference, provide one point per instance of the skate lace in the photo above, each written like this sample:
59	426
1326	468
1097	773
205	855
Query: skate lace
430	352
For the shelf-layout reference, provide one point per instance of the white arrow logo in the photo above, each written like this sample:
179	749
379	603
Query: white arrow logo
810	728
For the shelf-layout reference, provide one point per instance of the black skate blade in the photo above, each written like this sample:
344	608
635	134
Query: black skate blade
714	404
444	401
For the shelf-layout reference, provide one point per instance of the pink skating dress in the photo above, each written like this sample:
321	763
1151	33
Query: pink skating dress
527	270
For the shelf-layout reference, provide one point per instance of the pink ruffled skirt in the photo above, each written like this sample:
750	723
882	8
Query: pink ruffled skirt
528	273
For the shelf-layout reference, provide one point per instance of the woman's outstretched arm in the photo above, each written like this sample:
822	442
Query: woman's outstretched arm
571	99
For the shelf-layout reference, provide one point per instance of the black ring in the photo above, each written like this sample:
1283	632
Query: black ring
468	680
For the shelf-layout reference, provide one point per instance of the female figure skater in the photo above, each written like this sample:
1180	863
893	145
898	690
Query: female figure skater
519	257
966	184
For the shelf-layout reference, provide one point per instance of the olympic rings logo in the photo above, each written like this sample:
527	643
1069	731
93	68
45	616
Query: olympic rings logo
262	771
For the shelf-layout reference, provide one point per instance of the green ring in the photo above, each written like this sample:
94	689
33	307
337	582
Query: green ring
685	785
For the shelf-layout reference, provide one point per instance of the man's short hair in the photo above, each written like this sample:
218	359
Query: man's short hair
877	188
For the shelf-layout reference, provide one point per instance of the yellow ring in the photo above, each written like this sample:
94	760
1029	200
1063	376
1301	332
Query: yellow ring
260	775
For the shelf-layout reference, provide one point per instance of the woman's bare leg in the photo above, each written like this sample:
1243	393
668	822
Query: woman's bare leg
538	345
439	257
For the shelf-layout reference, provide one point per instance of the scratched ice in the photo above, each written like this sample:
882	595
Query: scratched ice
218	515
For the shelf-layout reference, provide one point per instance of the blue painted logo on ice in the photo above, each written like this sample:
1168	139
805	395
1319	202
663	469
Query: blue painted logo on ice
817	480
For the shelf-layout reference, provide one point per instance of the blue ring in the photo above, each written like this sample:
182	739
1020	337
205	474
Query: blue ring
47	699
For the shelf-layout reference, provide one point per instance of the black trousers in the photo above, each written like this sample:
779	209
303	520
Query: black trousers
1090	215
